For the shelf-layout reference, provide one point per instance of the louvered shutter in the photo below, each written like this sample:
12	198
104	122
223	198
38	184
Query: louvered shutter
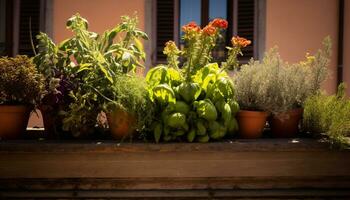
29	11
165	27
246	26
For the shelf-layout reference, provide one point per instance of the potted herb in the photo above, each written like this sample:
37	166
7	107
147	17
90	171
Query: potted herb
53	64
280	89
294	83
329	117
194	100
105	79
21	87
252	95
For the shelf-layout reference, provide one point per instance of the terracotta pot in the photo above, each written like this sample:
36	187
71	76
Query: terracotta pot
121	123
13	121
251	123
286	124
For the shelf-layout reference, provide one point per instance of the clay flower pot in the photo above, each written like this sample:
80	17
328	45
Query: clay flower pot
121	123
285	125
251	123
13	120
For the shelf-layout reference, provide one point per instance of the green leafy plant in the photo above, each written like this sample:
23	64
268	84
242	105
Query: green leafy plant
195	101
329	116
95	67
20	83
276	86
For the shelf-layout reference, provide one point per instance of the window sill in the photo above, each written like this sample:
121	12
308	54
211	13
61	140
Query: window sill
262	164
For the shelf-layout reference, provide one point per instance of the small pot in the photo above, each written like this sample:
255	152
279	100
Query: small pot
286	125
121	123
251	123
13	121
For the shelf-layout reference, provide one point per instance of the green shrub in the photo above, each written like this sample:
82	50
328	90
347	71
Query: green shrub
329	116
276	86
20	83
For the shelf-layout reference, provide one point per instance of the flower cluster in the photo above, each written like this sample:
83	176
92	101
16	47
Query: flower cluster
191	27
240	42
219	23
209	30
170	47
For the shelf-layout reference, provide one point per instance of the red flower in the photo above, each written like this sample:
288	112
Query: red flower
192	26
240	41
219	23
209	30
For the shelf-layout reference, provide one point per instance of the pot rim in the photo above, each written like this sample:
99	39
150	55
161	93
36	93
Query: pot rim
246	113
15	108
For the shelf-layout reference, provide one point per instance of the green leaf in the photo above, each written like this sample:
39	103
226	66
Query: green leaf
158	132
164	94
84	66
157	75
105	72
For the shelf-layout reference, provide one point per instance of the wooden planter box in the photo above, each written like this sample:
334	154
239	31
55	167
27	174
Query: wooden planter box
265	168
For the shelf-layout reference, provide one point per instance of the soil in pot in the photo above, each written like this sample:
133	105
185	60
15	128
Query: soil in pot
286	125
13	121
251	123
121	123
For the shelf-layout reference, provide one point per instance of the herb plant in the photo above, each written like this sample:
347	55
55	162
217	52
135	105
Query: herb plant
99	71
276	86
329	116
195	101
20	83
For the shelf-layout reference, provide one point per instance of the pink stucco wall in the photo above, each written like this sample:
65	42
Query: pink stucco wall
101	14
299	26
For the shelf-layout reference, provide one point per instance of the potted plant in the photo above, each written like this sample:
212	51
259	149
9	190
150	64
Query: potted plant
252	93
195	99
105	79
53	64
294	83
328	116
280	89
21	87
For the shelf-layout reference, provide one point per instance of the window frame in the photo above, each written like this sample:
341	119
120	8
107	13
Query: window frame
259	25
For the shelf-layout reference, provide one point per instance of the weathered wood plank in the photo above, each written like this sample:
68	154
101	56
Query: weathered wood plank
220	183
184	194
297	144
289	169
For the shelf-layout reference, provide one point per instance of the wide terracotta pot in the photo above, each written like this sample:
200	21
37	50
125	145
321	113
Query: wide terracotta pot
251	123
121	123
13	121
286	125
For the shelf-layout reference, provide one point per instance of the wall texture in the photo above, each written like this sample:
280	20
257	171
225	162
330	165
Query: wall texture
298	26
346	61
101	14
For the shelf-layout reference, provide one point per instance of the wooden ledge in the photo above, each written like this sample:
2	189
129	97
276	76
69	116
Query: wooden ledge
238	167
240	145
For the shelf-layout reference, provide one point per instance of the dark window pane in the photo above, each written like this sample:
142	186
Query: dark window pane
218	9
190	10
2	26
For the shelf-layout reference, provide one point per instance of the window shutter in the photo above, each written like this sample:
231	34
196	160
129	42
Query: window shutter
165	27
246	26
29	13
